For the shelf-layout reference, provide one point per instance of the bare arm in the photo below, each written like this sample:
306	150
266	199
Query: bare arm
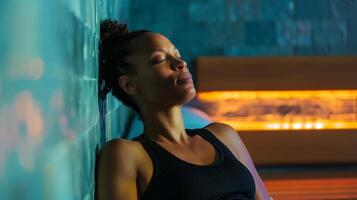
244	158
116	172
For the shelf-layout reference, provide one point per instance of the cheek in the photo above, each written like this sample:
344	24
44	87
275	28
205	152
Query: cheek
161	79
157	84
167	82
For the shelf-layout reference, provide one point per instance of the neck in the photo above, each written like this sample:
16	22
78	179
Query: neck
165	125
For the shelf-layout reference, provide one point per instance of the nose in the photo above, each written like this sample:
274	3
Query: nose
178	64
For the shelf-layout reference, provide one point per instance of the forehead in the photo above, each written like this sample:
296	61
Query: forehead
149	41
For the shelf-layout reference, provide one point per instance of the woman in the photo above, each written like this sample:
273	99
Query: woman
145	71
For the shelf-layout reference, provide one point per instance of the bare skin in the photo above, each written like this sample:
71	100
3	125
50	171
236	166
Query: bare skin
159	97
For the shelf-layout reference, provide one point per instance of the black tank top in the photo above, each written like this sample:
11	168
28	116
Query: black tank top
175	179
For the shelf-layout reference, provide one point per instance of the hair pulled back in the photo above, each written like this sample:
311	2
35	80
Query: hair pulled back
114	47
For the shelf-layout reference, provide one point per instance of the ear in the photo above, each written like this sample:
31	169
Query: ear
128	84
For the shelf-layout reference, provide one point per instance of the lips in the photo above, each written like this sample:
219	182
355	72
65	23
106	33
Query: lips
184	78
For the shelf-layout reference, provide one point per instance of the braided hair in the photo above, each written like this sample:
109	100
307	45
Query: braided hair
113	50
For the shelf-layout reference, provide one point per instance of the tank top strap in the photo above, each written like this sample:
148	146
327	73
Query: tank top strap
163	160
150	149
211	137
145	142
157	152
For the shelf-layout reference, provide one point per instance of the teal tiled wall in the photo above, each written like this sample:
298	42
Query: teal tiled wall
251	27
52	123
50	119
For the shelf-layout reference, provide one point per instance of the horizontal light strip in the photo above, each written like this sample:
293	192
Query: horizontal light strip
320	109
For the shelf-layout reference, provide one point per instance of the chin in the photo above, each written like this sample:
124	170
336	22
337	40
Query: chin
176	97
189	96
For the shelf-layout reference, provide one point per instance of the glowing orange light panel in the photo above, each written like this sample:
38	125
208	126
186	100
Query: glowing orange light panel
279	110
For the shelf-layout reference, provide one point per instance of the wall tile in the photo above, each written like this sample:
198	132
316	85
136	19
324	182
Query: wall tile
199	10
232	11
278	10
294	33
307	9
260	33
329	32
352	32
243	50
345	9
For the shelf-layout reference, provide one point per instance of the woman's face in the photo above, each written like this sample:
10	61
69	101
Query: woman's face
162	76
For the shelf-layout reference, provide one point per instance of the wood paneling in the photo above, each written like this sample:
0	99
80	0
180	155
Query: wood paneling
301	146
276	73
287	73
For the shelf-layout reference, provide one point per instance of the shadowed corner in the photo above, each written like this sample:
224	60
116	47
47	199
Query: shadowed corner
97	156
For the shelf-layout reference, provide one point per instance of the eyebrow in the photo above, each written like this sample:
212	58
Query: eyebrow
154	50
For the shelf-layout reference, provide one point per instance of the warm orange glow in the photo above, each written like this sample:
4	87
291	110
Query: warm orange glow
313	188
280	110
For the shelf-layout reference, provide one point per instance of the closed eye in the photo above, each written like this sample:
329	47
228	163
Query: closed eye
163	60
158	61
160	58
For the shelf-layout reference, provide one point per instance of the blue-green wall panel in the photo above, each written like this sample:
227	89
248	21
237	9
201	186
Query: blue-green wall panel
251	27
52	123
50	130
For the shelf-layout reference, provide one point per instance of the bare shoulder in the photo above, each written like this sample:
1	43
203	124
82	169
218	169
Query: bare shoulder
119	143
117	170
222	130
229	136
120	149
